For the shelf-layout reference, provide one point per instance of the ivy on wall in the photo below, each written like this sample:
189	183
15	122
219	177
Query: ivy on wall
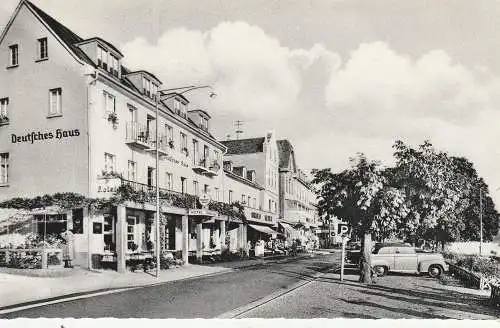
68	201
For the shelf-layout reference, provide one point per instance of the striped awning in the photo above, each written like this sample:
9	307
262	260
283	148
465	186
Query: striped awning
264	229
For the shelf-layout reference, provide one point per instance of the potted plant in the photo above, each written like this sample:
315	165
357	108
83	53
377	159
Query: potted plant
113	118
3	119
185	151
171	144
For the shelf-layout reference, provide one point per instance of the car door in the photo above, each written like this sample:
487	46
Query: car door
386	255
405	259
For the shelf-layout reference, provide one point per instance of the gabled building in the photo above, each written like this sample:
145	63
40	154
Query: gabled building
74	119
256	159
297	200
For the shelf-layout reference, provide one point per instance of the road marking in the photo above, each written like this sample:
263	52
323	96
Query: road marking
66	299
234	314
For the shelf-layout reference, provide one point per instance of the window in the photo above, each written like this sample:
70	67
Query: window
114	67
169	131
177	106
248	200
269	205
169	181
195	152
254	203
243	199
43	50
206	189
55	100
217	194
146	87
102	58
151	176
132	114
206	153
203	123
109	163
183	142
132	169
183	184
13	55
109	102
4	168
230	197
4	113
131	245
195	188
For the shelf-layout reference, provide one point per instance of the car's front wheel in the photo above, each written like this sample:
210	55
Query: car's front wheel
380	270
435	271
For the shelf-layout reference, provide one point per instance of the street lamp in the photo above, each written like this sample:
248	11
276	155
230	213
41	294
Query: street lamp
159	94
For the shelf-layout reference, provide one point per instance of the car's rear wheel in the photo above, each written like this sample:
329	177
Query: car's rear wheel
380	270
435	270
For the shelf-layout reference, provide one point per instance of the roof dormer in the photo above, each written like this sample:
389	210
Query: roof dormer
177	103
145	82
103	54
200	118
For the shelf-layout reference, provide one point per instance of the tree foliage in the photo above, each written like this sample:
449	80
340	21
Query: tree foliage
426	195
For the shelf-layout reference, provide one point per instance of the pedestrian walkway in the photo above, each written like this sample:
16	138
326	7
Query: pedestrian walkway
393	297
36	285
17	289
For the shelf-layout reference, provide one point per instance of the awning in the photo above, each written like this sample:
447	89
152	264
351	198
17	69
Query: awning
290	230
264	229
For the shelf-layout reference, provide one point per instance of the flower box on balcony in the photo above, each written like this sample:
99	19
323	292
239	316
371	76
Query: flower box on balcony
171	144
185	151
113	118
4	120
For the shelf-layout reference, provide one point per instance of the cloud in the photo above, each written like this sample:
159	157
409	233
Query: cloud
253	74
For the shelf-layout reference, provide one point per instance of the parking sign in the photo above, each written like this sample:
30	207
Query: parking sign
343	229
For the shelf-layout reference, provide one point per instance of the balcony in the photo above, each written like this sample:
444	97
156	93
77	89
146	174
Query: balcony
207	167
137	135
163	146
213	168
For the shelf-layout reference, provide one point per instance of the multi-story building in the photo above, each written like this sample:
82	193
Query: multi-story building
74	119
258	158
297	196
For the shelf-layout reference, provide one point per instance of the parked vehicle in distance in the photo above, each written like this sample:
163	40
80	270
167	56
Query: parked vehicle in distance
405	258
353	255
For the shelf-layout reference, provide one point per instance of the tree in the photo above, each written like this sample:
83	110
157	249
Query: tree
362	196
442	193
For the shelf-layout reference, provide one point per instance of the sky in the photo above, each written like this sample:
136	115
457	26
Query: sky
334	77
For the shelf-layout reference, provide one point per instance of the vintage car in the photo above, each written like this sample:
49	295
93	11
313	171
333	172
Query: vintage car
405	258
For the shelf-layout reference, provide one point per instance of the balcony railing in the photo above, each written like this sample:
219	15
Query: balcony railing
138	135
163	145
207	166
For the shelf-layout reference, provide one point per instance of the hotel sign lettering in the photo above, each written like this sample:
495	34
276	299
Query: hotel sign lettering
38	136
107	187
176	161
202	212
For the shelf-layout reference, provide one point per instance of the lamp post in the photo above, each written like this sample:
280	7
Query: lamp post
480	222
159	94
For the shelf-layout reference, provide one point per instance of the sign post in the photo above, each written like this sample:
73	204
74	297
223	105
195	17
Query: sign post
343	230
342	261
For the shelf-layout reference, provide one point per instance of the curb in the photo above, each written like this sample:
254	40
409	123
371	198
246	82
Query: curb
235	313
125	287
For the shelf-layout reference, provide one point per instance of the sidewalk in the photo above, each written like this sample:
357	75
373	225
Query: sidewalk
17	289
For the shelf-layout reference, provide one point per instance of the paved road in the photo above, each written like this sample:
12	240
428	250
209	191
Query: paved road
393	297
198	298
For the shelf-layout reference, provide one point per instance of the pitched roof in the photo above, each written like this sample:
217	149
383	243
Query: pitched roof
285	153
244	146
65	34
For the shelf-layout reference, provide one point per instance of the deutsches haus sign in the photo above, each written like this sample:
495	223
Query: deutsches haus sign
39	136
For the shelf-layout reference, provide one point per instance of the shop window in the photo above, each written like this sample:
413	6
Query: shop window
97	228
109	233
77	221
131	240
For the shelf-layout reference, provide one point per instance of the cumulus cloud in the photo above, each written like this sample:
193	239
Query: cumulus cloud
253	74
